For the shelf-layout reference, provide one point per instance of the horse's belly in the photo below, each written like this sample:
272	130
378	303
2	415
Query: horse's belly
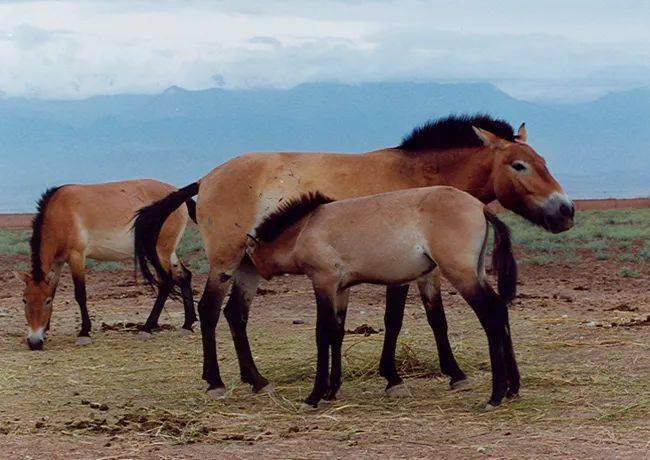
117	246
388	267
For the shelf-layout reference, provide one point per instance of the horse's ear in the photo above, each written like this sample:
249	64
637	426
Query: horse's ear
522	135
23	276
486	137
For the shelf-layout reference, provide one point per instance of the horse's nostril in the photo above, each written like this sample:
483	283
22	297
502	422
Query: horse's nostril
567	210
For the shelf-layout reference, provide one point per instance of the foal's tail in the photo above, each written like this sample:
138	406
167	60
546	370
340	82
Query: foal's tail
148	222
503	262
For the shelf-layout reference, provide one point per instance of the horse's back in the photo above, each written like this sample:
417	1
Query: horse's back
97	218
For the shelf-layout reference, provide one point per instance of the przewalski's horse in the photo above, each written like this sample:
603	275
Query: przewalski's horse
392	239
477	154
78	221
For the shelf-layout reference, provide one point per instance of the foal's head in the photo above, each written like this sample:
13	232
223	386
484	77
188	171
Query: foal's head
37	298
523	184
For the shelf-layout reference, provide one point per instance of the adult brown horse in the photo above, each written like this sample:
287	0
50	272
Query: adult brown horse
78	221
477	154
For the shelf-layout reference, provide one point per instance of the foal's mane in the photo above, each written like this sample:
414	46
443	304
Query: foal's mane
455	131
37	230
288	213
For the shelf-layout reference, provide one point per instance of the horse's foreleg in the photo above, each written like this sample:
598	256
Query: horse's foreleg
209	311
393	317
243	290
324	327
77	267
336	344
432	300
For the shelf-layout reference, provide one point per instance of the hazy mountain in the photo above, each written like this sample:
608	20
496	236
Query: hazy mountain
596	148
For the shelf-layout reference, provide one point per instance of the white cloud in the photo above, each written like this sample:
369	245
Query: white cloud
76	49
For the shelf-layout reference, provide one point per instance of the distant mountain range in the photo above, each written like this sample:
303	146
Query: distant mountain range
598	148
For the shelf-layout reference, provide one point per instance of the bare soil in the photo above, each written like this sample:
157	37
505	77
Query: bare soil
581	334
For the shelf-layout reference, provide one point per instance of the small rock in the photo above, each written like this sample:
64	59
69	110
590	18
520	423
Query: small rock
298	321
39	425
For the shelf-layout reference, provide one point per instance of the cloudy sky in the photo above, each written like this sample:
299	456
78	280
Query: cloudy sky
544	50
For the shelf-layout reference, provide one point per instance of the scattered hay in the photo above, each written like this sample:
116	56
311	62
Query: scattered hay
126	326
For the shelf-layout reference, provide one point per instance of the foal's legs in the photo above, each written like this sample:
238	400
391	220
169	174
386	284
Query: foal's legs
393	317
243	290
77	263
325	326
429	287
336	344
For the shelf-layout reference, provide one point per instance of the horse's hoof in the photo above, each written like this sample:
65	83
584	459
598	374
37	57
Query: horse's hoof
185	332
305	407
83	341
217	393
143	336
268	389
489	407
461	385
398	391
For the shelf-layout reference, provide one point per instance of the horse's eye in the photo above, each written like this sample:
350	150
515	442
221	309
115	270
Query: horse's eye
25	301
519	166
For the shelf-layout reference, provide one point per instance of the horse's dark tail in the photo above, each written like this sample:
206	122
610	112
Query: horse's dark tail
503	261
148	222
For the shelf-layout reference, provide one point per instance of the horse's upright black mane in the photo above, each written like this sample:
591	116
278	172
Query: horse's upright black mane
455	131
288	213
37	230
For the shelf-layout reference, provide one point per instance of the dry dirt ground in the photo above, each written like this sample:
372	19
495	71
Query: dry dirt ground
581	336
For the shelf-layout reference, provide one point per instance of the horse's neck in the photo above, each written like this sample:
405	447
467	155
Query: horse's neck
48	251
469	170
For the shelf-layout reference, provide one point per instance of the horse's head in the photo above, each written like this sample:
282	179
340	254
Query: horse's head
37	298
523	184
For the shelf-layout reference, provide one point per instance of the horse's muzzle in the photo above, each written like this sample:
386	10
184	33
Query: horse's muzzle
559	213
35	344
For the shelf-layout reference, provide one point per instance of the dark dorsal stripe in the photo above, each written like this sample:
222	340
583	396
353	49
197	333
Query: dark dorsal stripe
288	213
37	231
455	131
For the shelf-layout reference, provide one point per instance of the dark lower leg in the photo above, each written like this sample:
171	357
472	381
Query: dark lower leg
152	320
324	309
393	318
236	312
209	311
438	322
80	297
336	346
512	370
185	284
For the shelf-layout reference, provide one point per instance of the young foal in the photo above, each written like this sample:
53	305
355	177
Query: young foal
391	239
78	221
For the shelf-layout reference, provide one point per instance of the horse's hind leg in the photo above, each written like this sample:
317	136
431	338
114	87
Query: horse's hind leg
209	311
336	344
152	320
243	290
77	263
429	287
184	282
393	317
511	363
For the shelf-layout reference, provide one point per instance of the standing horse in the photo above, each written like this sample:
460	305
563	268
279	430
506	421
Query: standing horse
391	239
478	154
78	221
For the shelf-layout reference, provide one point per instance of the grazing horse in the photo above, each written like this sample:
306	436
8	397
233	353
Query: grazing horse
477	154
78	221
392	239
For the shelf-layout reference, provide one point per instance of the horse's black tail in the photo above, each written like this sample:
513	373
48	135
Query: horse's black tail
148	222
503	261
